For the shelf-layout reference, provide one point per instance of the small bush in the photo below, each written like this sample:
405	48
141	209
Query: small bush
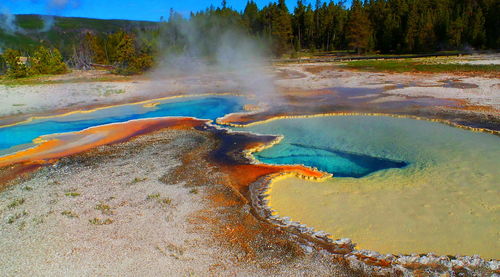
98	221
15	203
153	196
105	209
166	201
15	68
137	180
47	61
11	219
69	214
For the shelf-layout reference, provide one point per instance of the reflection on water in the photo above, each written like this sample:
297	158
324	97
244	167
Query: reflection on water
444	201
17	137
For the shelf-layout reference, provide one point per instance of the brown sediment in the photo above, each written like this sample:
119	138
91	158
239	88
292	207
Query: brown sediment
457	73
466	106
289	74
233	157
11	173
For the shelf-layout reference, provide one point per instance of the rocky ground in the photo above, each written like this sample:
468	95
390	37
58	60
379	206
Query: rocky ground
143	208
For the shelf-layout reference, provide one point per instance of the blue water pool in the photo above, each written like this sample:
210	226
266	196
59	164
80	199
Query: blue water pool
322	145
13	138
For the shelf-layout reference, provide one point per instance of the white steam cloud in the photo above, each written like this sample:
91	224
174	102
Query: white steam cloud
48	23
217	53
8	22
62	4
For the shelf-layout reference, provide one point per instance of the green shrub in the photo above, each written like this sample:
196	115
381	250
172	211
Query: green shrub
46	61
135	65
15	68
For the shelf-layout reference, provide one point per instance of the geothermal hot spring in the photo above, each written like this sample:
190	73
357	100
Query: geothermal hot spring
400	185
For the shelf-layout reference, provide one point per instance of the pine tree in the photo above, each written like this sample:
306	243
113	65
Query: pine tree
96	46
298	23
251	17
412	28
359	30
280	27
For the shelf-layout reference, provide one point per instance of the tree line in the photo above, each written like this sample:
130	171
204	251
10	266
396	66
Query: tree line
384	26
387	26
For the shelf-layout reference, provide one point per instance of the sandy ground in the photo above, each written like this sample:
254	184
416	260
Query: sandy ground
475	90
115	211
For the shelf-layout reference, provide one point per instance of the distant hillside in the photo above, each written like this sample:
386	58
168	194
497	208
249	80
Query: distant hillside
63	32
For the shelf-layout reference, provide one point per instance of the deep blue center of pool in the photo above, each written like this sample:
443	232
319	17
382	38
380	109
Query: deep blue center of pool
340	163
210	107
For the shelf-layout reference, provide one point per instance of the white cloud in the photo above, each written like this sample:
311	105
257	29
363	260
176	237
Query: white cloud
62	4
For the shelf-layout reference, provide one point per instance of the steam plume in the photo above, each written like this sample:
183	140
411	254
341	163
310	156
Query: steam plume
8	22
190	48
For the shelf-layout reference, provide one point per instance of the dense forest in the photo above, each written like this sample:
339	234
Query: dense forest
373	25
381	26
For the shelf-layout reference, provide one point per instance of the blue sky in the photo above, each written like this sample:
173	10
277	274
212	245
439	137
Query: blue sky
121	9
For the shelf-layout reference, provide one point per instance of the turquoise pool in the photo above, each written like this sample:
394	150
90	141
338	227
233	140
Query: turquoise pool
16	137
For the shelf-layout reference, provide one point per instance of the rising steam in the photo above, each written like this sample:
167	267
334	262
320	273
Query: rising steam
190	48
8	20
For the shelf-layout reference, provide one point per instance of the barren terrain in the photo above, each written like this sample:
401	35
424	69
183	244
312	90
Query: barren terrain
155	205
